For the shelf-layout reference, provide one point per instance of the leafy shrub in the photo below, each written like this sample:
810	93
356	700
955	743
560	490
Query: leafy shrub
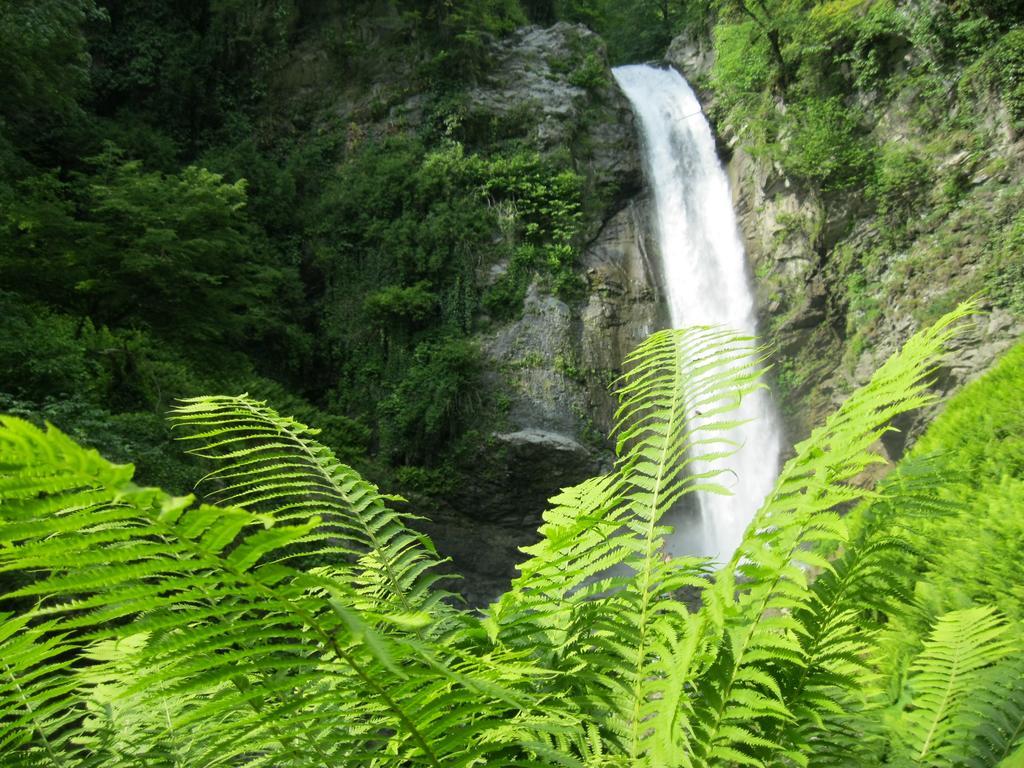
271	186
880	36
547	206
411	305
45	62
1004	266
841	38
1001	71
142	438
432	399
637	30
826	145
105	240
463	31
901	182
44	353
405	233
436	483
592	73
1008	59
742	68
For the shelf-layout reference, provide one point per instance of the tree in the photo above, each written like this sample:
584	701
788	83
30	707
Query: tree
123	246
45	64
769	20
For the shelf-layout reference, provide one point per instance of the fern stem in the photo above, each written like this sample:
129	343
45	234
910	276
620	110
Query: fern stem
318	468
171	734
645	597
1011	741
940	711
738	657
284	740
382	692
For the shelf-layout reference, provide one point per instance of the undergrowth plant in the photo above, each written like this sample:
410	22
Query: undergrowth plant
144	629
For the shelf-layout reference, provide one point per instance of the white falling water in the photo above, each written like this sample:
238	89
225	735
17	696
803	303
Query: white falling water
705	282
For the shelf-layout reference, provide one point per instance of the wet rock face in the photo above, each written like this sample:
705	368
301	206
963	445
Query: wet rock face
693	55
827	344
825	348
554	366
523	76
533	357
624	303
777	221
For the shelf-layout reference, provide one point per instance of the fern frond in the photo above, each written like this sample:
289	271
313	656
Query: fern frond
672	422
942	678
994	712
263	656
598	593
676	396
763	612
34	688
277	665
838	695
834	695
273	465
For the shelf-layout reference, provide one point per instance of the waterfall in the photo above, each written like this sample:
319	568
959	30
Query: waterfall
705	283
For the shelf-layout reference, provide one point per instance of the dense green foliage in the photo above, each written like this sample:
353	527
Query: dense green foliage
160	235
401	234
885	136
815	57
127	283
952	523
635	30
977	443
156	630
175	217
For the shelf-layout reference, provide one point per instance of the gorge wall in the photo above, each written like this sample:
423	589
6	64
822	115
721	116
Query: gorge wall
553	366
842	278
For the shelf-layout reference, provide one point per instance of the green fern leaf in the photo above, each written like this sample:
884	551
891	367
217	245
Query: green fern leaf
271	665
962	645
272	465
764	612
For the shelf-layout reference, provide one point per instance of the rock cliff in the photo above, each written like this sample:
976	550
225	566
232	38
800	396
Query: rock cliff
552	366
546	408
839	286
